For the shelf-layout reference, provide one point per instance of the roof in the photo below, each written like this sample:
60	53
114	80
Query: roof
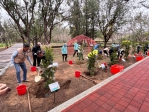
98	39
81	38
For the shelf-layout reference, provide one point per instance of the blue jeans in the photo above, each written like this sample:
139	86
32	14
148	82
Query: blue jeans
17	67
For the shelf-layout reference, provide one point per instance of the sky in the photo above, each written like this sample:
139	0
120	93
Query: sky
134	11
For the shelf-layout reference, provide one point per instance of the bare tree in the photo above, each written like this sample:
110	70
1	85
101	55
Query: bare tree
50	11
22	13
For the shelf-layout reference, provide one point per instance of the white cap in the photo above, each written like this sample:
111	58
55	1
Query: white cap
39	43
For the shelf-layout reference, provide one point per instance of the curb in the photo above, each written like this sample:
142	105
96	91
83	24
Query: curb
4	70
73	100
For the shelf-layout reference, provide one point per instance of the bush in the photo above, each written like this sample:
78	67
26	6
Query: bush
91	63
126	44
48	74
113	57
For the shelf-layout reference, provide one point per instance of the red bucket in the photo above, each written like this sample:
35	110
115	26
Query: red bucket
21	89
148	53
77	74
138	58
116	68
33	68
70	62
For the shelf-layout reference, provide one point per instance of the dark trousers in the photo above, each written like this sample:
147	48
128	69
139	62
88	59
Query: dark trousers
35	58
64	57
75	51
145	51
105	52
138	50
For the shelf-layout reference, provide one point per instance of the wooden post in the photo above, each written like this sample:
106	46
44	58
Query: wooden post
54	97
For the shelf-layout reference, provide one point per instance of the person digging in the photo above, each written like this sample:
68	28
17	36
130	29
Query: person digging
18	60
80	52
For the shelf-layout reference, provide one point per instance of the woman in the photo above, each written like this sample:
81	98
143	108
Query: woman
64	52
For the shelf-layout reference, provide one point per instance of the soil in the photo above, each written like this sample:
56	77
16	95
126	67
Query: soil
1	49
41	98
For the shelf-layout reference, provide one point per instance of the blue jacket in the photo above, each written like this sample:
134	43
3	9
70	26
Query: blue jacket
96	46
76	46
64	50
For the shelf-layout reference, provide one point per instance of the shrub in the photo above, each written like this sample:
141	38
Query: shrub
48	74
113	56
126	44
91	63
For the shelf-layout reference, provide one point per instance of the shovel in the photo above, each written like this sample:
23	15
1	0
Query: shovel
37	78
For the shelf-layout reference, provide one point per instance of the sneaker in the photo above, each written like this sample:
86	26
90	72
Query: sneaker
25	80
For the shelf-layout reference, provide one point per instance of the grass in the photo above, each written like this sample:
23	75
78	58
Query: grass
2	45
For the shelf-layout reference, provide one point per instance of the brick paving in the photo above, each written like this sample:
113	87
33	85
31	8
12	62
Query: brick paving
127	93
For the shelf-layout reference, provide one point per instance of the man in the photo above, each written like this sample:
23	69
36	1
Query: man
76	46
145	49
138	48
18	59
35	57
106	51
4	89
64	52
120	53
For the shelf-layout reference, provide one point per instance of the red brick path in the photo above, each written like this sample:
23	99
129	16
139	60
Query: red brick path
127	93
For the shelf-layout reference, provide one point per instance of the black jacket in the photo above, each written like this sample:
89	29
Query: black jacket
35	49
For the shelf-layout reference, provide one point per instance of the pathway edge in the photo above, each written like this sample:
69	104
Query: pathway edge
73	100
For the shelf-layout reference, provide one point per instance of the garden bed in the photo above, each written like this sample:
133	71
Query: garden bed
42	99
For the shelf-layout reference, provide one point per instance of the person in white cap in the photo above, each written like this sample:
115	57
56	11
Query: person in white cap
35	57
64	52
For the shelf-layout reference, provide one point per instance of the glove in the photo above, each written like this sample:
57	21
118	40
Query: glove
35	53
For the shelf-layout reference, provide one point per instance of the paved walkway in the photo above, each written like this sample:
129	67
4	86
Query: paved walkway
5	56
127	93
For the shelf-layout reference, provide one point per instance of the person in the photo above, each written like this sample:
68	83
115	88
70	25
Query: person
96	46
76	45
34	53
18	60
106	51
64	52
94	52
120	53
145	49
138	49
80	52
4	89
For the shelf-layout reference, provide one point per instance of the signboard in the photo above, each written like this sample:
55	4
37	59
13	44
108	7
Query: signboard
123	60
54	86
53	65
102	66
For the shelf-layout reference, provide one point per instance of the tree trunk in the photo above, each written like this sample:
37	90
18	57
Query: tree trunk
23	40
105	44
45	34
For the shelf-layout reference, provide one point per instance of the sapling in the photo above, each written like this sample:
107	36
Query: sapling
48	73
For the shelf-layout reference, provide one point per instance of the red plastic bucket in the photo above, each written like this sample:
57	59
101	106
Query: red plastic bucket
70	62
33	68
116	68
77	74
21	89
138	58
148	53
